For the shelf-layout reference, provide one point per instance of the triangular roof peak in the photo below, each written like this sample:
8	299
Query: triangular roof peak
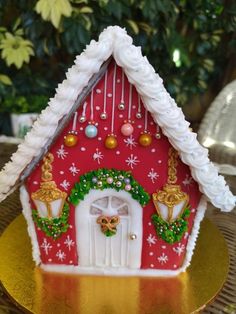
114	41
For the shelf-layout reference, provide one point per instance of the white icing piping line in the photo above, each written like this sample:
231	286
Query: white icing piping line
113	100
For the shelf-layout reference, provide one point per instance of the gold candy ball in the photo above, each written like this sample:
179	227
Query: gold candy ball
145	139
70	140
111	142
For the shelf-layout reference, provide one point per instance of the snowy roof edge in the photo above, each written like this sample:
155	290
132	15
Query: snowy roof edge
165	112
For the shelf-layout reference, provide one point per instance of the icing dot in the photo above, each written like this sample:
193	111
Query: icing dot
174	266
153	150
83	149
109	95
58	244
117	152
71	262
193	210
140	126
49	259
105	128
149	223
99	138
151	123
35	182
98	91
159	161
70	226
121	116
118	81
97	108
81	128
151	253
151	265
38	229
134	107
163	246
61	172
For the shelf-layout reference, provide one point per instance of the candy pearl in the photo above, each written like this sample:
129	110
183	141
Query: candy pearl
99	183
121	106
94	180
91	131
138	115
111	142
145	139
70	140
118	184
103	115
157	136
127	180
127	129
128	187
109	180
82	119
133	236
120	177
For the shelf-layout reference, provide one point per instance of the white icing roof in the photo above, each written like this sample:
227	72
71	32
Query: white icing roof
115	41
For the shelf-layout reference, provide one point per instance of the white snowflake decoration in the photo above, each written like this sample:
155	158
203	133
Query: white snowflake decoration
69	242
162	259
73	169
151	239
179	249
188	181
97	156
153	175
132	161
60	255
46	246
130	142
65	184
61	153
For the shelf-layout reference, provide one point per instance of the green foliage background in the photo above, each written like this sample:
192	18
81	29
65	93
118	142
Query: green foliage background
203	32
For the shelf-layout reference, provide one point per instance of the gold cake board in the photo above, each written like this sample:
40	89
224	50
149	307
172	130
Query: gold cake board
36	291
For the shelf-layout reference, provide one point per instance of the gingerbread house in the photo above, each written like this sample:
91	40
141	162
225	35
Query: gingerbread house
113	181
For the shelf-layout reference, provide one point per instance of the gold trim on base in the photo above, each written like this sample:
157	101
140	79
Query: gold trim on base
41	292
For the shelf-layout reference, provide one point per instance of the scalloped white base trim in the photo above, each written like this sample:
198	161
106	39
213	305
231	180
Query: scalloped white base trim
139	272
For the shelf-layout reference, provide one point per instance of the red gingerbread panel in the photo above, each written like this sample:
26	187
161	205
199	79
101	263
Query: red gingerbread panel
137	146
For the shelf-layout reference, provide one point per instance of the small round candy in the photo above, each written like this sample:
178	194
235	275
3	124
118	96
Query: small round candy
111	142
103	115
82	119
94	180
91	131
128	187
127	129
157	136
118	184
121	106
145	139
138	115
70	140
127	180
109	180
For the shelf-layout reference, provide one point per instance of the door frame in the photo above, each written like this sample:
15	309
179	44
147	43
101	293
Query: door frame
82	223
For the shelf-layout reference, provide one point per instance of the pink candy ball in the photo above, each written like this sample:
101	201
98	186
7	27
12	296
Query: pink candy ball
127	129
109	180
128	187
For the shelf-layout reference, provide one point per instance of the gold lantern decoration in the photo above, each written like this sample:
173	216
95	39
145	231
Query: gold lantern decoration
171	201
49	200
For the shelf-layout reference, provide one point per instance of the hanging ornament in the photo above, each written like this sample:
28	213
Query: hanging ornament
111	141
82	118
103	115
157	134
138	113
127	128
91	130
121	105
71	138
171	204
145	138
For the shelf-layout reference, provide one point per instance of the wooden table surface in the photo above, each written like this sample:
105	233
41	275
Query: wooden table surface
225	302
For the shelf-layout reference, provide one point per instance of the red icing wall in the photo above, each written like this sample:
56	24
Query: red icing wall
147	161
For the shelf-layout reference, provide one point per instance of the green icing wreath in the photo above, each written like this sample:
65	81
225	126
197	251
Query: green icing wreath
108	178
53	227
171	232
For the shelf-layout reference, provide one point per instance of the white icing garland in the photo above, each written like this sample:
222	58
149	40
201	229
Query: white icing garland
115	41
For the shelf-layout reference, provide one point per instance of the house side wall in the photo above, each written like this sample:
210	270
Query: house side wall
148	165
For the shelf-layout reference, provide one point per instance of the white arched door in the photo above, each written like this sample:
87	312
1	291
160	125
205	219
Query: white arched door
95	249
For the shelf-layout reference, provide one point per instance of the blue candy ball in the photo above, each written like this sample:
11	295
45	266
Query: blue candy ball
127	180
91	131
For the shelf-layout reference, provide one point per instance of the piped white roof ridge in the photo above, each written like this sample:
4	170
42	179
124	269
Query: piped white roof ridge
115	41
